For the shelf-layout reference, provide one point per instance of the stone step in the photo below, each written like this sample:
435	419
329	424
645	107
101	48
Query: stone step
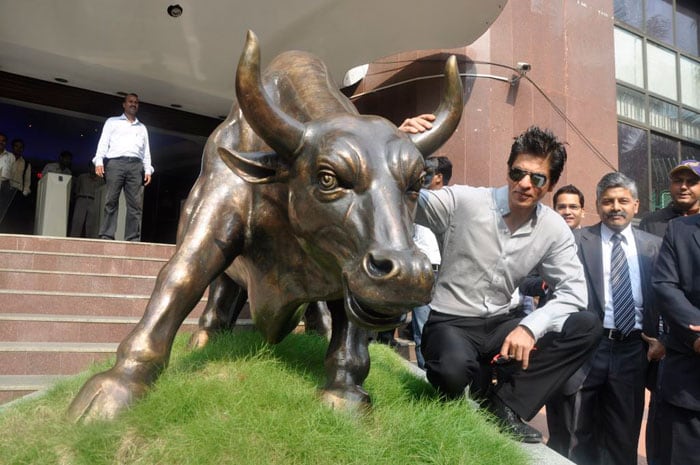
80	262
17	386
62	303
22	327
69	281
51	358
85	246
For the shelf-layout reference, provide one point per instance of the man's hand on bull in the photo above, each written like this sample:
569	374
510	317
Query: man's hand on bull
420	123
518	345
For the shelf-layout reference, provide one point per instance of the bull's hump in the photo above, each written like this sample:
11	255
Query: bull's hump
305	88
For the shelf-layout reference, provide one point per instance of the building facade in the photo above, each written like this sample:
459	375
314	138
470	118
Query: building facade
619	81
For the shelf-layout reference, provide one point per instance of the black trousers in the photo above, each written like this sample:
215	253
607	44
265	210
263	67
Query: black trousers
123	173
680	438
458	351
611	405
560	422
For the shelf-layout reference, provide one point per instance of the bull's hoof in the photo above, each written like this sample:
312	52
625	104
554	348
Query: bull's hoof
199	339
103	397
349	400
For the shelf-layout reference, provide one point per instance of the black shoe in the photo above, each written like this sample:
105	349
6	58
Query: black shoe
511	423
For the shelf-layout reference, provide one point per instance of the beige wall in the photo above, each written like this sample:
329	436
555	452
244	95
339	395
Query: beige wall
569	44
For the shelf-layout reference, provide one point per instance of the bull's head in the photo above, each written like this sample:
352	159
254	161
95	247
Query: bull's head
353	187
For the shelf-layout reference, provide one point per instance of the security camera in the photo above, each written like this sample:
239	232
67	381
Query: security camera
175	10
524	67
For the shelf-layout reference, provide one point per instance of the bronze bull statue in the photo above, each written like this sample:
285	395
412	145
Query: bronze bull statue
299	199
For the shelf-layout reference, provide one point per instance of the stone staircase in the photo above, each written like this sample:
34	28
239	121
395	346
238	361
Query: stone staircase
65	303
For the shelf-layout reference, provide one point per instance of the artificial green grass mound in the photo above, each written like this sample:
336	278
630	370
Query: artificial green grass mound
242	401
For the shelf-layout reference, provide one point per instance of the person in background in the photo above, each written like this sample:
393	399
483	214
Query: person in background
618	261
6	161
677	288
62	166
86	212
440	174
21	173
568	201
123	158
685	200
17	209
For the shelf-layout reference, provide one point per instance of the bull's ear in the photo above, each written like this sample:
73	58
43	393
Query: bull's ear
255	167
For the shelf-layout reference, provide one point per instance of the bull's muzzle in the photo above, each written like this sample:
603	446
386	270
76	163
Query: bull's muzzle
387	285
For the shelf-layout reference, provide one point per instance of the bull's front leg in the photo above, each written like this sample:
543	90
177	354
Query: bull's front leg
347	362
145	352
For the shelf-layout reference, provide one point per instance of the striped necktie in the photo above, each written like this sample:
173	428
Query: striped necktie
623	302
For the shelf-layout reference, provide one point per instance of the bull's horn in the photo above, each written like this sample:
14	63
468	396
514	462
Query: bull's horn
447	115
275	127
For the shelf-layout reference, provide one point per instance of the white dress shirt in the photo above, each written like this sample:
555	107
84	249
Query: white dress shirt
427	243
122	138
629	246
6	161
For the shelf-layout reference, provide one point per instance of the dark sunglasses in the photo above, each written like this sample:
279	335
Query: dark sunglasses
537	179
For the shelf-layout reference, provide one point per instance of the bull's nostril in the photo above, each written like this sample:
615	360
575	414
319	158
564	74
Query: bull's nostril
378	266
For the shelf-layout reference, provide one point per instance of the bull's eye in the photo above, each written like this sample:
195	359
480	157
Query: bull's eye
327	180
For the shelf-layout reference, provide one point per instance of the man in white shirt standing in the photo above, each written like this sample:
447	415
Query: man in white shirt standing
123	158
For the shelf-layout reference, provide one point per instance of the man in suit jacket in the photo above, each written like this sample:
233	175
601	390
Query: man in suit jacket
676	280
610	401
684	187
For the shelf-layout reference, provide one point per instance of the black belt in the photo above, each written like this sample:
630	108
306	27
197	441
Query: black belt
436	268
86	197
615	335
130	159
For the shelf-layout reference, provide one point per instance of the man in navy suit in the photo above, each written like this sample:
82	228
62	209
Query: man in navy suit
676	281
618	262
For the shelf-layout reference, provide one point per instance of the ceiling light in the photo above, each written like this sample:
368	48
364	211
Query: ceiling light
175	10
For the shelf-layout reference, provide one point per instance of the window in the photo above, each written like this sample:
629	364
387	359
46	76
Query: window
633	146
690	82
690	124
629	61
688	26
630	12
664	156
661	69
631	104
663	115
659	20
657	68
